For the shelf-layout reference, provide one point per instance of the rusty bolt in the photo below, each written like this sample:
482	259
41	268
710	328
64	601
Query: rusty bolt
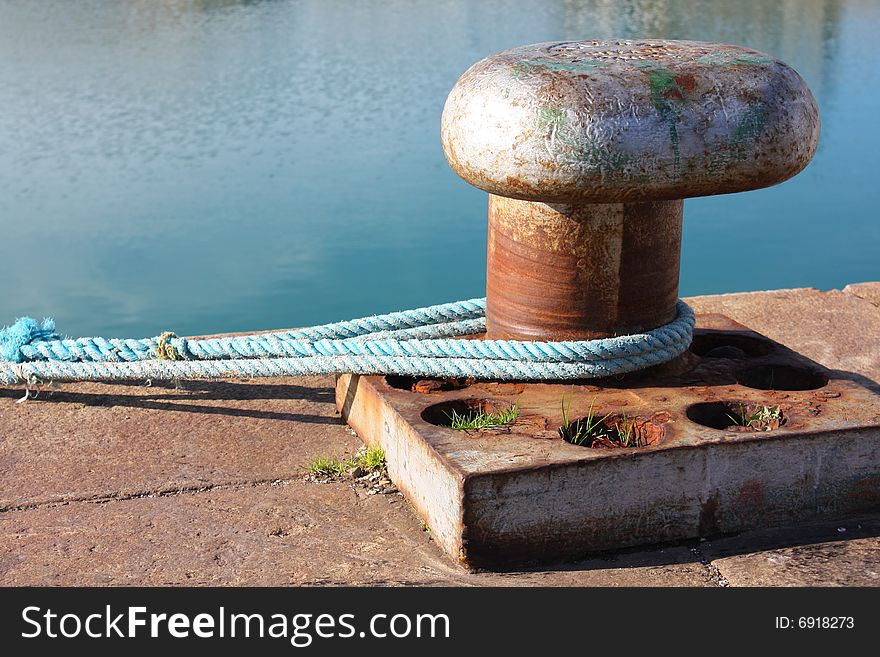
587	150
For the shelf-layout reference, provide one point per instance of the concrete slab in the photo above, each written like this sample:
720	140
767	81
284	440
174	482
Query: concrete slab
868	291
841	553
94	440
291	533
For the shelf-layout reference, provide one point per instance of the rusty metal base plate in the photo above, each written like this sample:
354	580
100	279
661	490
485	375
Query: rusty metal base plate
521	493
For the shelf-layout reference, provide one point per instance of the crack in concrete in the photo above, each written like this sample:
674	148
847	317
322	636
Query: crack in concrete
864	291
104	498
711	569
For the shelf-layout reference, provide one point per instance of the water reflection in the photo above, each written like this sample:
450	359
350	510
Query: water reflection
212	166
801	32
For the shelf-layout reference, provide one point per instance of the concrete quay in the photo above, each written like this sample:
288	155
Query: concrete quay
205	484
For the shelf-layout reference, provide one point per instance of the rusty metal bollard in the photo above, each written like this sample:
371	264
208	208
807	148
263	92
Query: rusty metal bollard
587	150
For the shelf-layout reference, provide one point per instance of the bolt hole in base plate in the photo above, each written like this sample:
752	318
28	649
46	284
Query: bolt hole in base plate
426	386
712	344
520	492
782	377
737	416
615	431
441	414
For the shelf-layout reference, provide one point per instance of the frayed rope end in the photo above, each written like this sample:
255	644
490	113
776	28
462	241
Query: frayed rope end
166	350
24	331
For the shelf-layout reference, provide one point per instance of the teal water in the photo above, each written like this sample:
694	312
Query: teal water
223	166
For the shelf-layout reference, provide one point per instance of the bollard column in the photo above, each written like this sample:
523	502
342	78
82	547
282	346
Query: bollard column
580	272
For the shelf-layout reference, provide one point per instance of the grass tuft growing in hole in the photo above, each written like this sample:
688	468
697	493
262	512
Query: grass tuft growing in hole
626	432
584	431
622	433
594	431
759	418
481	419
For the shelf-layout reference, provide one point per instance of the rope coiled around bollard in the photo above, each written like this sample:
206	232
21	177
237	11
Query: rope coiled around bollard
411	342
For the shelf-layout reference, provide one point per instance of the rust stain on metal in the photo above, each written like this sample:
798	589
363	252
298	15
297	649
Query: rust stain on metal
751	495
578	272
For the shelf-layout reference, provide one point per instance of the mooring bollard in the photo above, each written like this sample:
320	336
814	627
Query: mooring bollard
587	149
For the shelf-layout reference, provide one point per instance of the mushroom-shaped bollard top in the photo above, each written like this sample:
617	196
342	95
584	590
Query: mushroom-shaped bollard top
607	121
588	147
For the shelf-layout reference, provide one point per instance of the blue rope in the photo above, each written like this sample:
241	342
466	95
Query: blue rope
15	338
411	342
